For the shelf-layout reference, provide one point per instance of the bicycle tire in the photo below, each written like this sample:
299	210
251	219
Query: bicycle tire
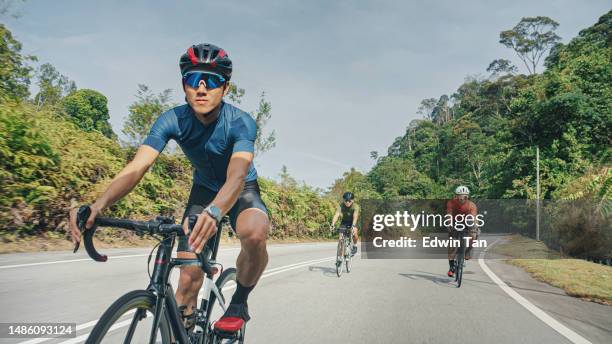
339	257
460	258
137	299
226	276
348	257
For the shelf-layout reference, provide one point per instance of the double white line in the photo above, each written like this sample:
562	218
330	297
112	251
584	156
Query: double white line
266	274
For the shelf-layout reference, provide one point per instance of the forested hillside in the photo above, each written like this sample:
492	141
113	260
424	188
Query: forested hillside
485	134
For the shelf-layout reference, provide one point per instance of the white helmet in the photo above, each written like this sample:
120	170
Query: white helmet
462	190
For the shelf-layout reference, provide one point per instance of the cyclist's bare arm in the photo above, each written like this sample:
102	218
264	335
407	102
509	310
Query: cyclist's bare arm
121	185
474	212
355	217
237	171
336	217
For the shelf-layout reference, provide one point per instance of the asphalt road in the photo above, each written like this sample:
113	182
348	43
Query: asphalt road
301	300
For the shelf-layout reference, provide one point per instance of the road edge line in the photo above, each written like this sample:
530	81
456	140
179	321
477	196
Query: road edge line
539	313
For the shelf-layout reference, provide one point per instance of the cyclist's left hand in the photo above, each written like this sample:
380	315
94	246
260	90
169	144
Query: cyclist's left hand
204	229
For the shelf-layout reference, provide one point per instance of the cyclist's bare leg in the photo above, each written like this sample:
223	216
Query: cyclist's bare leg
355	236
252	227
190	282
341	244
452	252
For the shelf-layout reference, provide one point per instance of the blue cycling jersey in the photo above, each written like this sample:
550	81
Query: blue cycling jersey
208	147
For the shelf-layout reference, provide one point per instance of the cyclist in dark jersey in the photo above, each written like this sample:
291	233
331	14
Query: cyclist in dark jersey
218	139
460	205
349	210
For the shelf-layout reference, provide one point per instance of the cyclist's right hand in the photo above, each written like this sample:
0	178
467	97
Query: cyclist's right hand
75	232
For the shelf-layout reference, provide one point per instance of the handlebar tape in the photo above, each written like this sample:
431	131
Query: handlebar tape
88	233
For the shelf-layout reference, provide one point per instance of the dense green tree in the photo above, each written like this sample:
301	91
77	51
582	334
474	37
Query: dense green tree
14	69
88	109
355	182
398	178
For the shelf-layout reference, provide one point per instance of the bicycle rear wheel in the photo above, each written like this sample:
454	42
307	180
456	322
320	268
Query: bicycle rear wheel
129	320
339	257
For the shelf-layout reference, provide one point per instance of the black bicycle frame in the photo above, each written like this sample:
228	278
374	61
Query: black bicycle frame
159	285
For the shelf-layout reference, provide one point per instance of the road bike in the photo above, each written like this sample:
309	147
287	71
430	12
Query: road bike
152	315
343	253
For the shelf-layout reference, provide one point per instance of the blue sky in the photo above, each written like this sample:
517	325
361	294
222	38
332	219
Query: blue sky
344	77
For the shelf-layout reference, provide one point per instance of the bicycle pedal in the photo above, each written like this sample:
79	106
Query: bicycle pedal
226	335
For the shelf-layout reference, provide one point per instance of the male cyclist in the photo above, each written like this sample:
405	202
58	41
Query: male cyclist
218	139
462	206
349	210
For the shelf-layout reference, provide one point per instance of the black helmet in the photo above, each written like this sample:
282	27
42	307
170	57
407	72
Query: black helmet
207	58
348	196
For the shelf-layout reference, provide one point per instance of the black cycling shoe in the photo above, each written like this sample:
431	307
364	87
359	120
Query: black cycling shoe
451	272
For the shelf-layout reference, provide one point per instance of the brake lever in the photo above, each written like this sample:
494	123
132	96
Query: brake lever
82	216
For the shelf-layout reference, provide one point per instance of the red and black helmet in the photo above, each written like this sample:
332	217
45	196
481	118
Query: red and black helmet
208	58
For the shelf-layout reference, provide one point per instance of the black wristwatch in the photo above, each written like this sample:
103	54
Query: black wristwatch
214	212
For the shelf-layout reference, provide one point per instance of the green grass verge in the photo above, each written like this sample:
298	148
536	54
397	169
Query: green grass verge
578	278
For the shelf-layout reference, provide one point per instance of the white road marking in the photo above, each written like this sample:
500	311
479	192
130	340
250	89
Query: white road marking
67	261
130	256
86	259
266	274
540	314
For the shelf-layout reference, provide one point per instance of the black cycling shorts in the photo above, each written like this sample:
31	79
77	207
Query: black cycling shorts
200	197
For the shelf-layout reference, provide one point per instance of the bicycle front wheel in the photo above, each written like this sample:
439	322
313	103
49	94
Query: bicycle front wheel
348	255
130	320
339	257
217	306
222	282
460	259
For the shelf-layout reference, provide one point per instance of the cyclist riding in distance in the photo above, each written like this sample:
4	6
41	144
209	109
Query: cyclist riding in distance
460	205
218	139
349	210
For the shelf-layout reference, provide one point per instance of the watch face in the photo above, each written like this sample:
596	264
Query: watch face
215	212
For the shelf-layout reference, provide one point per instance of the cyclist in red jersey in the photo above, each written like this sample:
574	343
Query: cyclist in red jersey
460	205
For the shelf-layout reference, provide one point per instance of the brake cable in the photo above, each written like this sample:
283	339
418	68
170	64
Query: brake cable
152	250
